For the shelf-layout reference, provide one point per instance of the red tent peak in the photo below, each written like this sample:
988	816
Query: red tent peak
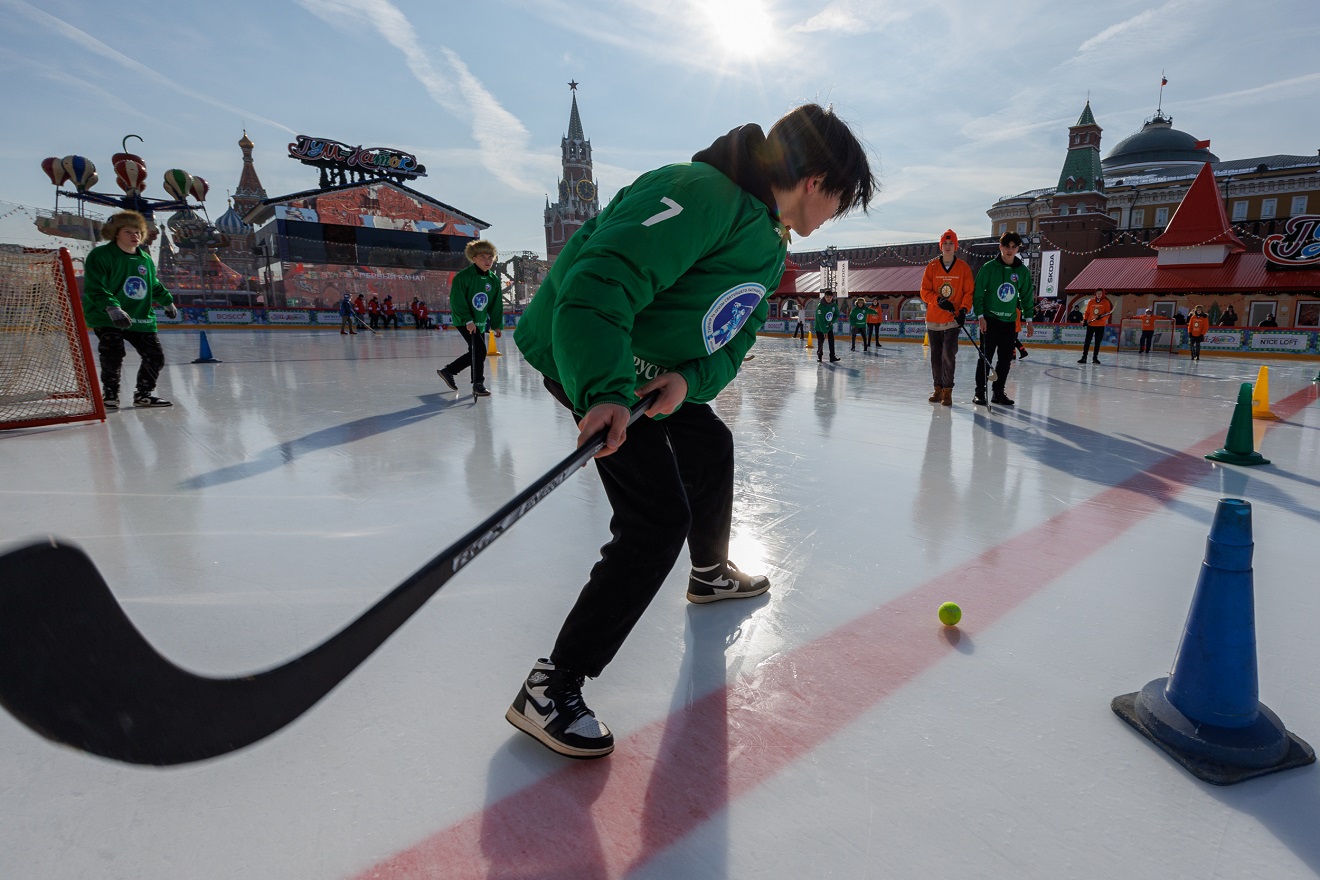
1200	219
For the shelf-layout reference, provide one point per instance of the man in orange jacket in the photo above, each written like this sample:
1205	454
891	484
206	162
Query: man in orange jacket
1096	316
1197	323
1147	331
947	287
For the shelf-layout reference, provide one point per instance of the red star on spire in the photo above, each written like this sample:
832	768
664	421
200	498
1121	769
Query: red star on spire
572	85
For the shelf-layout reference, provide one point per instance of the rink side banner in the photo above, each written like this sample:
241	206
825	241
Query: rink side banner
190	316
1246	340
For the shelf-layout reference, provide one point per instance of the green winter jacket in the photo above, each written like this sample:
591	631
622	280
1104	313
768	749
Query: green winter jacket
826	315
114	278
475	296
671	277
1004	290
857	317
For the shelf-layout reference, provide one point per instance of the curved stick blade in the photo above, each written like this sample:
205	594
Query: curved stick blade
75	669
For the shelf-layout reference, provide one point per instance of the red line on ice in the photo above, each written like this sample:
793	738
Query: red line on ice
605	818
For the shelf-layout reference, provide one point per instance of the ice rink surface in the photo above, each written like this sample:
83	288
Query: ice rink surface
831	728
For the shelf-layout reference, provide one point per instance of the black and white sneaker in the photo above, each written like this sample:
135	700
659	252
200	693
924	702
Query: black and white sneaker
146	400
550	709
1001	398
480	391
447	379
111	402
979	398
724	582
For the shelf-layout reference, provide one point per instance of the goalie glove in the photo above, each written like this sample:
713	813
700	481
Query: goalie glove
171	311
119	318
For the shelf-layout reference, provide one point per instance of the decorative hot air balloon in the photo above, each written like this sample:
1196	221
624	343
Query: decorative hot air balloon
54	170
130	172
178	182
199	188
81	171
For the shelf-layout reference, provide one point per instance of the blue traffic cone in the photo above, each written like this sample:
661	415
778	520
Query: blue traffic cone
1207	715
205	356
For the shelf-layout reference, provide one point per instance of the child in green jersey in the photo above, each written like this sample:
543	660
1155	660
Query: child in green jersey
664	291
120	289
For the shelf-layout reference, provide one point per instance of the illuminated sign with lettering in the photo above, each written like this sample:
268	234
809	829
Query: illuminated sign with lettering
1298	244
369	161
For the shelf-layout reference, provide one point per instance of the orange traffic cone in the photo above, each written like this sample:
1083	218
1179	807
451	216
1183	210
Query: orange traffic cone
1260	396
491	350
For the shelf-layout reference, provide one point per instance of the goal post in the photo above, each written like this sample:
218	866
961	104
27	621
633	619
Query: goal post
47	372
1164	340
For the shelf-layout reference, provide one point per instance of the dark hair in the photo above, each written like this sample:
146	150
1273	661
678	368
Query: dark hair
1011	238
811	140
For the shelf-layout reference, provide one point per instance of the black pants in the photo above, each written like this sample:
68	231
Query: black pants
997	343
1147	337
821	336
474	357
873	331
943	355
1096	333
860	331
388	319
671	481
1194	346
375	321
110	347
800	331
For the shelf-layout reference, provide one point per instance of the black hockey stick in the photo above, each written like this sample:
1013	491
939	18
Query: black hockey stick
990	375
75	669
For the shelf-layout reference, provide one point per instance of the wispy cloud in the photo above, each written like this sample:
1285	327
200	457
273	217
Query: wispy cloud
854	17
96	47
502	139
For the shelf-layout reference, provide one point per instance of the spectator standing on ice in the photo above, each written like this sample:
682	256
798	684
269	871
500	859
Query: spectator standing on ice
1003	292
947	288
119	289
669	284
477	305
1096	315
827	312
373	313
346	327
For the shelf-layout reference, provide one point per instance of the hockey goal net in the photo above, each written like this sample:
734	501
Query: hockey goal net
47	374
1164	338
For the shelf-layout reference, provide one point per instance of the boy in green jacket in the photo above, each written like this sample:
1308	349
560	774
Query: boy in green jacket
857	323
1003	291
664	291
119	288
827	312
476	303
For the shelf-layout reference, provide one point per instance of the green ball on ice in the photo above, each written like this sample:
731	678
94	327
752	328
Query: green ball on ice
950	614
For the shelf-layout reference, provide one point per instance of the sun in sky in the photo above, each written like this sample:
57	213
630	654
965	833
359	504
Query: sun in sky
741	27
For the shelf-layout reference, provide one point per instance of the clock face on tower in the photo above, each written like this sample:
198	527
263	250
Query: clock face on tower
585	190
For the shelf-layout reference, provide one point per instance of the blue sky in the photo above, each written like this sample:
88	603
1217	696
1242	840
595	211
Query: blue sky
961	102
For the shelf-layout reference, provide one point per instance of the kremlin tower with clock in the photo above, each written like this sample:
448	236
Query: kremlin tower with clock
578	199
